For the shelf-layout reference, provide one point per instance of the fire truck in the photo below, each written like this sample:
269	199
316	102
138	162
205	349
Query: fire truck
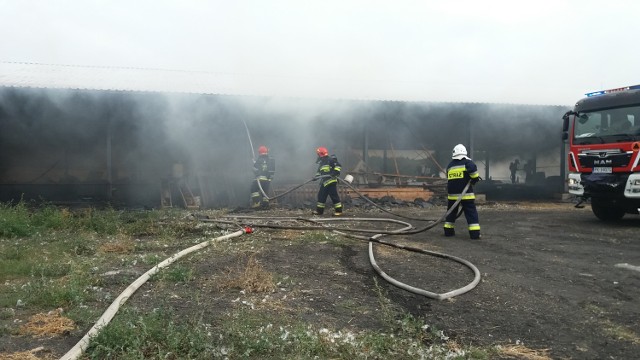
603	133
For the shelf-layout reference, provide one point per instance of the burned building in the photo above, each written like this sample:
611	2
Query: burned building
135	148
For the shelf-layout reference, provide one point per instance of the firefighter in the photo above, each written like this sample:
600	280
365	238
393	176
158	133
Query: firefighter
513	167
460	171
263	174
328	172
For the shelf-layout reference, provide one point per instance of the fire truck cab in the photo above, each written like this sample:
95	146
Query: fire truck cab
603	132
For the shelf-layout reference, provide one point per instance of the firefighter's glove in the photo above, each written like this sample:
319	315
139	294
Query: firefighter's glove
475	180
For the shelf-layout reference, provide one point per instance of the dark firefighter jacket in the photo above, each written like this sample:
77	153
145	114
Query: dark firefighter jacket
328	165
459	172
261	168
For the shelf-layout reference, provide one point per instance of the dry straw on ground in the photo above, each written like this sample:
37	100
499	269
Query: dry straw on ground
119	246
252	279
50	324
523	352
28	355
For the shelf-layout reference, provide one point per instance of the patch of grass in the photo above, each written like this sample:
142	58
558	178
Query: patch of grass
120	245
387	310
253	278
136	335
176	273
6	313
596	310
250	335
321	237
246	335
84	316
142	223
285	281
151	259
15	220
51	269
27	259
352	305
104	222
80	245
14	253
5	330
51	218
21	220
620	332
9	296
44	292
612	329
15	268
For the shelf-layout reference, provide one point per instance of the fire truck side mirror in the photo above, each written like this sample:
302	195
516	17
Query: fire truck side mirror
565	122
565	136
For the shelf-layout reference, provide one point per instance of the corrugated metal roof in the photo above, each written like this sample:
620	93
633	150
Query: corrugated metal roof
58	76
19	74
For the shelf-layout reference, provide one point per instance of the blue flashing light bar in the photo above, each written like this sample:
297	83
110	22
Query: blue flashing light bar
602	92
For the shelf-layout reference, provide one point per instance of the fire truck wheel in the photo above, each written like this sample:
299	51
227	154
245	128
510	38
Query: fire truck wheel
605	211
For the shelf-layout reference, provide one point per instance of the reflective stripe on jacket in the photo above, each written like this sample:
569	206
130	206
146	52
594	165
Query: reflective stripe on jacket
459	172
328	165
261	168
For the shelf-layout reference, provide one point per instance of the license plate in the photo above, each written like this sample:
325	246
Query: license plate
602	170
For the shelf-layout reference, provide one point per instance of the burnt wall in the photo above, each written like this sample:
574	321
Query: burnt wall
82	145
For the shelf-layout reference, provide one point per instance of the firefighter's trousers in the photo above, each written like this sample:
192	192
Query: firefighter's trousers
331	191
470	213
257	199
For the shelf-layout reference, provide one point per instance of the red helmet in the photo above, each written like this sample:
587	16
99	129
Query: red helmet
262	150
322	151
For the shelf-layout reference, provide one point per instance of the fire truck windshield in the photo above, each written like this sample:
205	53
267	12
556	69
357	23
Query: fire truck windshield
604	126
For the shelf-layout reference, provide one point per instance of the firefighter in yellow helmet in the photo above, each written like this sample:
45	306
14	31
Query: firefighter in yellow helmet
460	171
263	170
328	171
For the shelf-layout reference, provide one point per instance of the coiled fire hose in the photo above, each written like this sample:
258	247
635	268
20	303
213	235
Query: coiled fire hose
407	230
78	349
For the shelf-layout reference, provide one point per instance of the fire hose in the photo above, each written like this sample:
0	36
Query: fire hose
408	229
349	232
111	311
343	182
81	346
285	192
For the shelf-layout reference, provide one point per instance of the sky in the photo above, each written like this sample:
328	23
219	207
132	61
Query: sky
496	51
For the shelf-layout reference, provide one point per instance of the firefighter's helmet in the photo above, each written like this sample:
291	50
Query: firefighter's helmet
459	152
322	151
263	150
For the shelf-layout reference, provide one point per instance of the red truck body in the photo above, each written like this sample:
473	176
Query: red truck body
603	132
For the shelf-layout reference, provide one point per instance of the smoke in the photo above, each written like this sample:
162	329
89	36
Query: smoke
64	137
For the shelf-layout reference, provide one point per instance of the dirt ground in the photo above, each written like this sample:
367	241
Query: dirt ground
551	280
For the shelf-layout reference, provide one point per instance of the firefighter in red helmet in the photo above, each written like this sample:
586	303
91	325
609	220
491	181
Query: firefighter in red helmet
263	170
328	171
